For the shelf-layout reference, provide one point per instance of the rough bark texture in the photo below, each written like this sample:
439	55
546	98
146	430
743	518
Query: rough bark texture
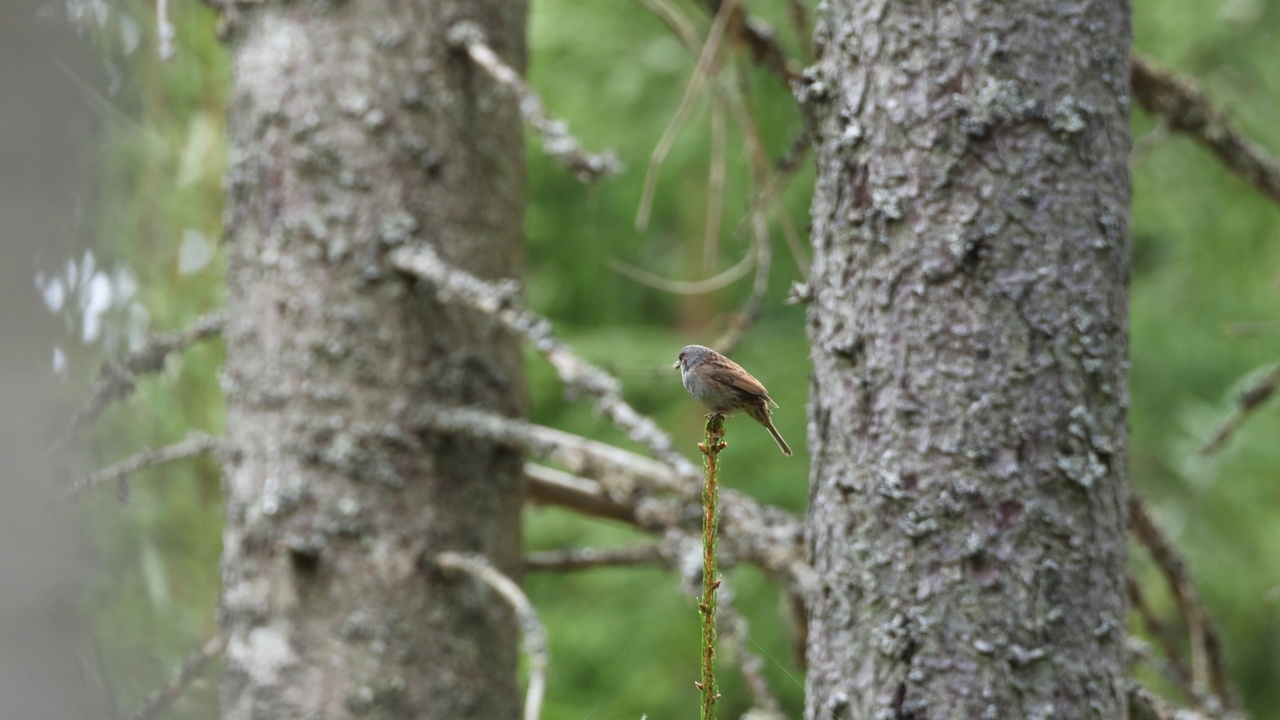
969	332
355	129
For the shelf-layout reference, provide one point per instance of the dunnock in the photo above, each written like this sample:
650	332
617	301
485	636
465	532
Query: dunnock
724	387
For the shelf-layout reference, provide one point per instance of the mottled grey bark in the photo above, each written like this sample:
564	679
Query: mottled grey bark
969	332
355	129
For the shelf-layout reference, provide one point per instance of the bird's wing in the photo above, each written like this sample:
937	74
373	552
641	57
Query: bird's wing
746	383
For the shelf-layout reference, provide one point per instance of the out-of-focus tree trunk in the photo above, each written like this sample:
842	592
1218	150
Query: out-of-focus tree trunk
969	332
354	130
48	140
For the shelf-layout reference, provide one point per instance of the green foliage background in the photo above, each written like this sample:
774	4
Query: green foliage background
1206	253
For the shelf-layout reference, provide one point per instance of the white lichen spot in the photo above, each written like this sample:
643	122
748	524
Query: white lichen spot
259	65
349	506
375	119
1067	116
263	654
270	497
397	227
888	203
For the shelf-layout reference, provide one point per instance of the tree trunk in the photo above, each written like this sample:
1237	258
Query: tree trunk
969	333
355	129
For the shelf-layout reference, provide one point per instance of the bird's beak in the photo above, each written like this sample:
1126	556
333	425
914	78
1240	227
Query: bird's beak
676	364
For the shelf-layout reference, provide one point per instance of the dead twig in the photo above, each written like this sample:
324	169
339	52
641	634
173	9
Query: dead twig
715	185
1208	671
798	16
1142	652
117	380
686	287
766	536
621	471
164	31
1250	400
556	140
704	70
759	39
535	636
195	443
570	559
1245	328
1158	630
1146	705
675	20
754	305
501	301
1187	109
585	497
190	668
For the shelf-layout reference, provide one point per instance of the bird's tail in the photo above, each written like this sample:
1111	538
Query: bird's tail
777	437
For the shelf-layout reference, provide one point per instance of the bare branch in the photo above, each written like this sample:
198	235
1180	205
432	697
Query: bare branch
1249	401
715	185
674	19
1146	705
556	140
754	304
786	167
760	40
586	558
500	301
191	667
798	16
1187	109
1210	704
195	443
1208	671
766	536
535	636
586	497
705	69
117	381
686	287
1157	629
620	470
1245	328
164	31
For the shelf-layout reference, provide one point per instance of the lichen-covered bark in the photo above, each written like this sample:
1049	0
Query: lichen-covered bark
354	129
969	333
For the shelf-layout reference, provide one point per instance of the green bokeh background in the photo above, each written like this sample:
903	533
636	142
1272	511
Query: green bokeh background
624	642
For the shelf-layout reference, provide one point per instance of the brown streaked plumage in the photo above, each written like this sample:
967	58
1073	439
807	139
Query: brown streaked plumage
724	387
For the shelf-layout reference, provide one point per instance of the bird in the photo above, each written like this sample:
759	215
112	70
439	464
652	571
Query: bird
724	387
